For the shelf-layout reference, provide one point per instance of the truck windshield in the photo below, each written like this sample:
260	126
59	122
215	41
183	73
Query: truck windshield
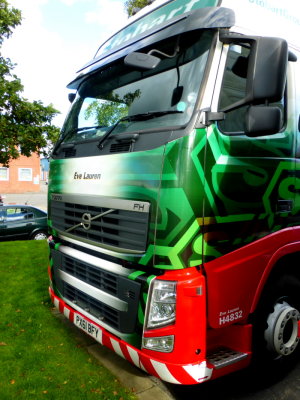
110	99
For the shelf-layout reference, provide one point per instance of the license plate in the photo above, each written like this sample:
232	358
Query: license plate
88	327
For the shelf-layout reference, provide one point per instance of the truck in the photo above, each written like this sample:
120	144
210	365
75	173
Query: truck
173	202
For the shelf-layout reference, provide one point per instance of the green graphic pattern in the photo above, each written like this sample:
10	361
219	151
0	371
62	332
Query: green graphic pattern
209	193
241	193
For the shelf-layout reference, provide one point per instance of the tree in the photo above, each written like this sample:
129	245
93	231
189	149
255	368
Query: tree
131	5
109	111
25	126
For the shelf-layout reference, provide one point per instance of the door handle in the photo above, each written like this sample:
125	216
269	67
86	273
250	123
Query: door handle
284	206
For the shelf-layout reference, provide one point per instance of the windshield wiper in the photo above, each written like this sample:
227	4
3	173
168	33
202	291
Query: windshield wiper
68	133
136	117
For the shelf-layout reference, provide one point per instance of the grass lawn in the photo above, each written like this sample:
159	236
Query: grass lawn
39	358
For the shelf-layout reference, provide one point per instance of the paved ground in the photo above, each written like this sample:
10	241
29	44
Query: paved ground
35	199
239	386
243	385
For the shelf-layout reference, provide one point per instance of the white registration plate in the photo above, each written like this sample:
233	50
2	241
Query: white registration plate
88	327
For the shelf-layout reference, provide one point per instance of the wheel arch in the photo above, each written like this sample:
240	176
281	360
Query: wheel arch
283	261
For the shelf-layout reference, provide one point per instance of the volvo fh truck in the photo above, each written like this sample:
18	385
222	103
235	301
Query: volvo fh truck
174	190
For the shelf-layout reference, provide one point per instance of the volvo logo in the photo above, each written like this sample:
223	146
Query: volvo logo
86	221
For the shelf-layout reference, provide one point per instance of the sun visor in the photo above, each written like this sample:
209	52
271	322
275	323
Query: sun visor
119	46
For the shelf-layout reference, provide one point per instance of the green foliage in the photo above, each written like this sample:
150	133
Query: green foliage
107	113
130	5
25	126
110	111
9	19
41	355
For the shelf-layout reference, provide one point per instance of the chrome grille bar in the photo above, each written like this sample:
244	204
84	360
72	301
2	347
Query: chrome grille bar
88	219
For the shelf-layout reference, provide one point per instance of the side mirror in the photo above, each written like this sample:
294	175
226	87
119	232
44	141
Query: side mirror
266	77
71	97
266	70
263	120
141	61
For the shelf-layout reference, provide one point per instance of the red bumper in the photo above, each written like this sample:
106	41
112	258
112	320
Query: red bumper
185	374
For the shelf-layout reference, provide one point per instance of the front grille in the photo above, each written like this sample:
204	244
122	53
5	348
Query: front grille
66	269
96	277
94	307
119	228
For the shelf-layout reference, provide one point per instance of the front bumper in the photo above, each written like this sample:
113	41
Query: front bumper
185	374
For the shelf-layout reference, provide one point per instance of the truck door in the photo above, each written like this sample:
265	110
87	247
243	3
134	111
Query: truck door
252	178
253	181
296	91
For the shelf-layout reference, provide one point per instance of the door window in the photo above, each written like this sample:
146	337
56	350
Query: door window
234	89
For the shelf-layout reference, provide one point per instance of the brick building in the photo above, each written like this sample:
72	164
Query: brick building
22	175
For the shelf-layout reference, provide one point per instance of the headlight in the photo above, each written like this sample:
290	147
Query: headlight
162	307
164	343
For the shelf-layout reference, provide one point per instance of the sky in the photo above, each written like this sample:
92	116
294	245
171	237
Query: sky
55	39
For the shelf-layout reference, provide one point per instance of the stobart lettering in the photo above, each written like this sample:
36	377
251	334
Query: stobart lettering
86	175
165	13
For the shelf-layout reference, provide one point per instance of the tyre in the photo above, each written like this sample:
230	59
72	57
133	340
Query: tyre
39	236
275	325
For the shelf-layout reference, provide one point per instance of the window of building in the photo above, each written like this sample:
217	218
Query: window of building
4	174
25	174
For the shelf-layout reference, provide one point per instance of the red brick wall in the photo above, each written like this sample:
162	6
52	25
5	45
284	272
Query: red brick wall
15	184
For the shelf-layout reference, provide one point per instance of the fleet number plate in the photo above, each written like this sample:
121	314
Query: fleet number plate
88	327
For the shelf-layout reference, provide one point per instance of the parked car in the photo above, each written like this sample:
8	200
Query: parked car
22	222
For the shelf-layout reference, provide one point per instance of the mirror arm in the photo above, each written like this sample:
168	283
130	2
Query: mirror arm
227	37
235	106
207	117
